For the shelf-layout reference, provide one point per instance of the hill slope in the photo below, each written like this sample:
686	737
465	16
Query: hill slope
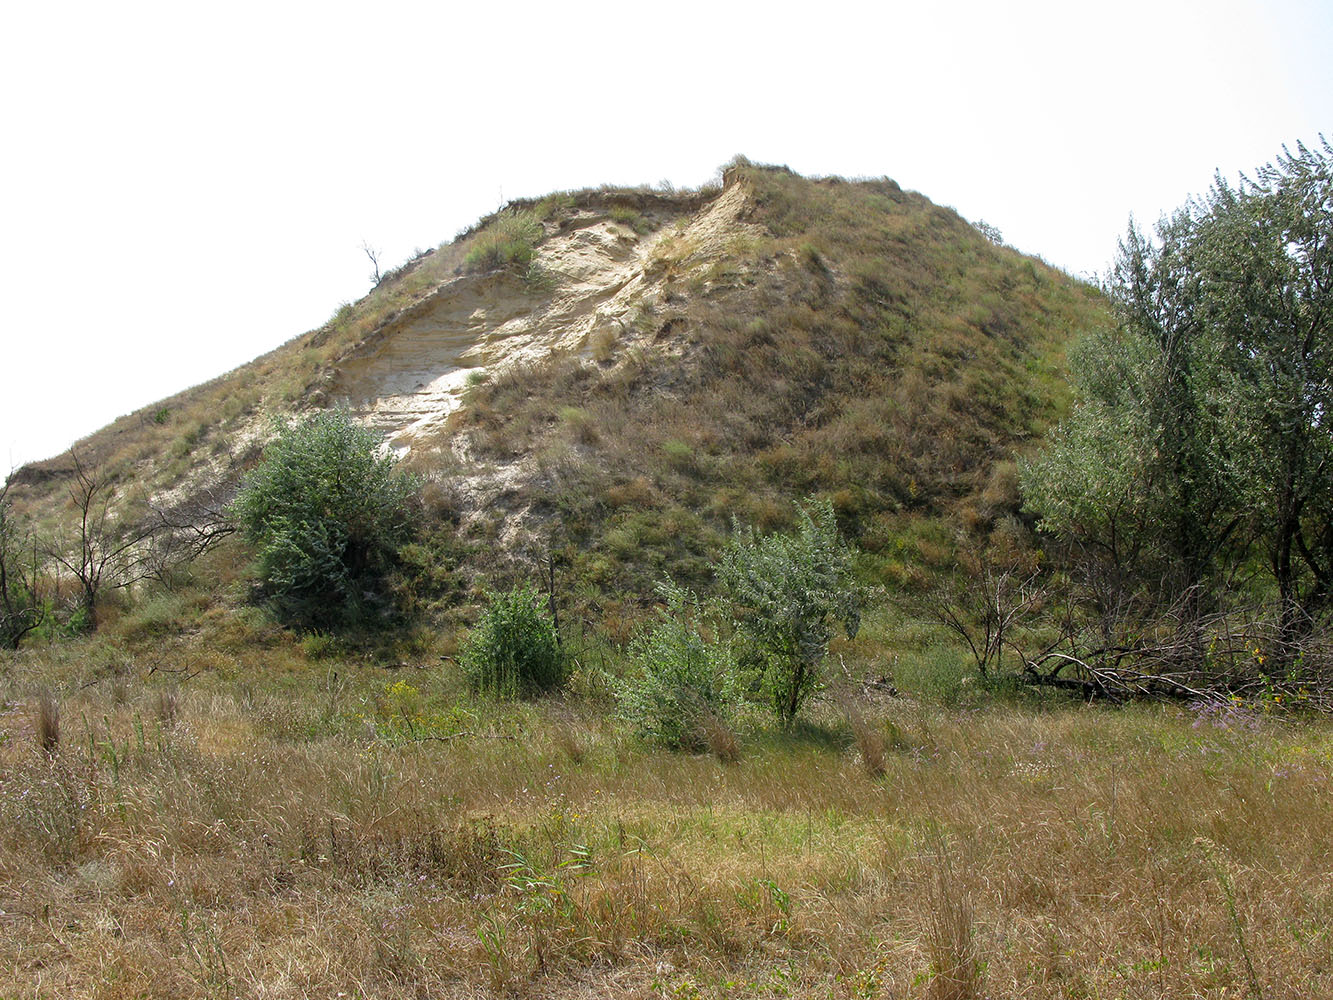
619	373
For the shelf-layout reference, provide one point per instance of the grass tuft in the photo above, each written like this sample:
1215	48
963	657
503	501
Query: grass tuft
719	738
46	726
507	243
951	939
871	748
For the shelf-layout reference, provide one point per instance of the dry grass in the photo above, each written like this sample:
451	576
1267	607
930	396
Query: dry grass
951	938
46	726
276	843
719	738
869	741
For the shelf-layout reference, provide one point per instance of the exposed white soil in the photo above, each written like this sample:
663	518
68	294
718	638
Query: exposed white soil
598	278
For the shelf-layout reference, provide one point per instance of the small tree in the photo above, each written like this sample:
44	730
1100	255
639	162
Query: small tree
1267	261
374	256
110	547
790	591
1201	434
514	651
327	512
986	611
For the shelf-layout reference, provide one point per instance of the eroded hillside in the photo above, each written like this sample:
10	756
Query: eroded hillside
622	372
592	280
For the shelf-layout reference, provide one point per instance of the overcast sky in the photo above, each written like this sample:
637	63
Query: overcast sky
185	186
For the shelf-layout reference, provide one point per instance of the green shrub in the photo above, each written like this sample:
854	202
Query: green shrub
789	591
686	678
514	650
327	513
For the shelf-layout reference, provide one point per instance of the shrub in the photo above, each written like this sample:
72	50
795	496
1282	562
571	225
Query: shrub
327	513
686	682
789	591
514	651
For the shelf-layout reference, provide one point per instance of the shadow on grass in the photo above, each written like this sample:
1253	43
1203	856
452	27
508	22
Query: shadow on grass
805	735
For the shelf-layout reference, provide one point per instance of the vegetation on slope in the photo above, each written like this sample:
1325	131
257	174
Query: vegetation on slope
865	345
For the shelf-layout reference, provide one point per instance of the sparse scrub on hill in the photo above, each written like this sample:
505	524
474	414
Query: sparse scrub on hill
514	650
326	513
893	377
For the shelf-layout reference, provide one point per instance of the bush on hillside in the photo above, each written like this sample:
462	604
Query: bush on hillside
327	512
686	678
790	590
514	652
507	243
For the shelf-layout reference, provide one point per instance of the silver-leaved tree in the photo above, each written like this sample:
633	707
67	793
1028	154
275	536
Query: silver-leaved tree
1201	441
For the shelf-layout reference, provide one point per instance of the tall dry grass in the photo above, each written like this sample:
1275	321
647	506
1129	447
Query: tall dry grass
46	723
264	844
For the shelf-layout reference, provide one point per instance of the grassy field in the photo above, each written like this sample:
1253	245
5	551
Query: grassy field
295	821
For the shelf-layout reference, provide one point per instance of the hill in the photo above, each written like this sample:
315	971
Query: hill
613	375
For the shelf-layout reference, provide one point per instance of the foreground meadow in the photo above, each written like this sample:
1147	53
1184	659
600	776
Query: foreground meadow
342	830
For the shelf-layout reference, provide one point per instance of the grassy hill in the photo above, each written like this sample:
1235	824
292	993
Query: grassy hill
632	369
852	340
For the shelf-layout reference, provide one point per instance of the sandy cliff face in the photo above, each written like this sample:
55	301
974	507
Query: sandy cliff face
596	274
596	277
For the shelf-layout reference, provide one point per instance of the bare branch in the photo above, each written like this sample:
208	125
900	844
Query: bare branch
374	256
22	604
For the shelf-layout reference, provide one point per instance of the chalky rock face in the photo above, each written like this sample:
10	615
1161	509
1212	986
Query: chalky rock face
593	277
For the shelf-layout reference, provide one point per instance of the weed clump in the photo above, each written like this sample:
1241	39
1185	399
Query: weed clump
514	652
47	724
685	688
508	243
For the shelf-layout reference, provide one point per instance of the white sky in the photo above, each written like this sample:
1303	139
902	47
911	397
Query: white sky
185	186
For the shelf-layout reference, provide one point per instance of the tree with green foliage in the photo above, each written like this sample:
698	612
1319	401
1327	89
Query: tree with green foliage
514	651
1202	427
1135	475
1269	270
790	591
327	512
685	674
